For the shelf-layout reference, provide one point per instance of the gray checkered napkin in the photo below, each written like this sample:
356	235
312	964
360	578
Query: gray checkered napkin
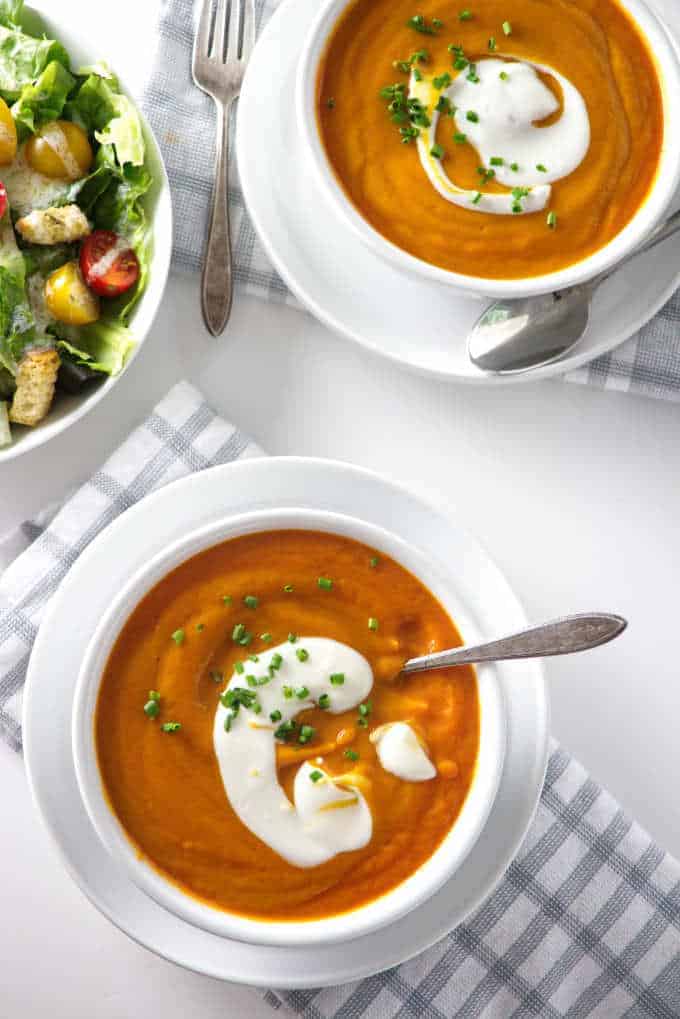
586	921
183	119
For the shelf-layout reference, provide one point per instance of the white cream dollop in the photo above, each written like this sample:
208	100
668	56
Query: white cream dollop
401	753
508	109
314	828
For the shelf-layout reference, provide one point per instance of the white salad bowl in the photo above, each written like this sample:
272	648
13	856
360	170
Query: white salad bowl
424	882
649	215
67	409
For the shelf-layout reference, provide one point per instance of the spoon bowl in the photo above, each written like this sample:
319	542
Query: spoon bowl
517	335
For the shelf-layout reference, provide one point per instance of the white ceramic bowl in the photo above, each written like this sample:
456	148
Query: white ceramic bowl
407	896
648	216
67	409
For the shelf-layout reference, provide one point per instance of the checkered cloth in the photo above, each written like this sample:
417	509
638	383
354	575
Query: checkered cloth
184	121
586	921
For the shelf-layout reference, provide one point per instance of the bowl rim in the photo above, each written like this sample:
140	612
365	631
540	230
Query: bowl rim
664	53
422	883
161	222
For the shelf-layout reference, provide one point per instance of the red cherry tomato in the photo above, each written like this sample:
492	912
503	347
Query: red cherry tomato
109	266
3	199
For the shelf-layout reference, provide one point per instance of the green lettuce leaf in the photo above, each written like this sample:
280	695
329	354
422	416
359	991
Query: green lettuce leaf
17	330
10	12
92	107
124	132
103	346
43	101
23	58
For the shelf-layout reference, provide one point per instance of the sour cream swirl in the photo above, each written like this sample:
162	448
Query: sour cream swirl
506	103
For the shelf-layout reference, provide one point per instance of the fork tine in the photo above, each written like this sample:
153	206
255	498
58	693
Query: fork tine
248	28
234	30
202	38
220	29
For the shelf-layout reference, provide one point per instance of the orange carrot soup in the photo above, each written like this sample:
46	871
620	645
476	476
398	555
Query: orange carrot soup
507	140
256	740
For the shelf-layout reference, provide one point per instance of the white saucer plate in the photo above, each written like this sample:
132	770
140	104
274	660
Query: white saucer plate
102	570
420	325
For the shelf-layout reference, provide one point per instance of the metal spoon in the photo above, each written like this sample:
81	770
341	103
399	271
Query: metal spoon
517	335
559	637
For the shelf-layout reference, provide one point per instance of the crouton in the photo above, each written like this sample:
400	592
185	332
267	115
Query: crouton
54	226
36	378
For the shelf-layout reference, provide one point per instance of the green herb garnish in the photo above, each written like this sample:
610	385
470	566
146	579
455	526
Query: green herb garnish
324	701
374	561
314	775
179	637
250	601
302	693
551	220
217	676
372	623
288	588
442	81
171	726
302	654
472	117
306	733
152	707
285	729
437	151
465	15
541	168
419	24
507	28
459	138
275	716
325	583
337	678
352	755
491	45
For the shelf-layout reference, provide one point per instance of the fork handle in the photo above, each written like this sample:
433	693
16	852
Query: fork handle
217	282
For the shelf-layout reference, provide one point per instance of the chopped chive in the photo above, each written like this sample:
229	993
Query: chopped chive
302	693
442	81
302	654
152	708
276	661
228	719
251	681
437	22
477	199
459	138
266	637
330	103
352	755
171	726
288	692
292	638
496	161
516	208
514	167
250	601
504	76
239	667
200	627
437	151
443	105
507	28
373	562
492	44
253	658
541	168
288	588
324	701
154	695
372	623
363	722
314	775
325	583
275	716
551	220
337	678
285	729
306	733
419	24
465	15
263	680
417	74
179	637
238	632
257	708
472	117
217	676
365	709
227	599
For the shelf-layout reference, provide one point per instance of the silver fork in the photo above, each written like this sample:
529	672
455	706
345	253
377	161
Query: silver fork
224	40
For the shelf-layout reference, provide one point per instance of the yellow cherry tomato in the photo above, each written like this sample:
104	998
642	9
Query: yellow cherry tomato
8	135
60	149
68	298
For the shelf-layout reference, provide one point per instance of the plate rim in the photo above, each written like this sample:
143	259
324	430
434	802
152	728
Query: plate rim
264	979
281	14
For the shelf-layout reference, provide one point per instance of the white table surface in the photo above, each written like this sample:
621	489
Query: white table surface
574	492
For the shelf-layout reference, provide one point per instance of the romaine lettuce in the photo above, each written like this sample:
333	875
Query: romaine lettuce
124	132
103	346
22	57
42	101
17	329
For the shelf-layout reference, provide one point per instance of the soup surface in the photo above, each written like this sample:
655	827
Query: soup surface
163	739
506	140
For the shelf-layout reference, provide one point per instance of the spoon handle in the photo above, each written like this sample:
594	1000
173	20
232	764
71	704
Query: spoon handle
559	637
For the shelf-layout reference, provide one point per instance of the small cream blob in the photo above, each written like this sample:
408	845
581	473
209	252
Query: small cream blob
401	753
